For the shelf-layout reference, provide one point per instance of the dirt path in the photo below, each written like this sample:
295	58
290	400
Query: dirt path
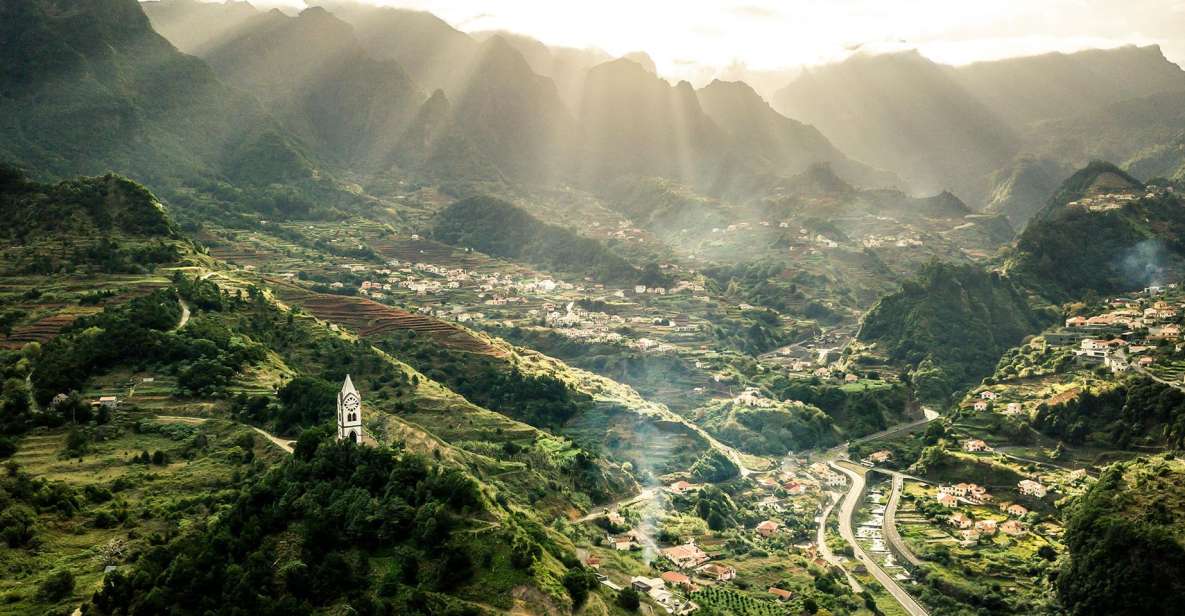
279	442
644	495
284	444
184	314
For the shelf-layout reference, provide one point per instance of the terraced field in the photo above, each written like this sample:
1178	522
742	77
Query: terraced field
59	315
425	251
368	318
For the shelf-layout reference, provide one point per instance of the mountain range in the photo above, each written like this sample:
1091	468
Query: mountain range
975	129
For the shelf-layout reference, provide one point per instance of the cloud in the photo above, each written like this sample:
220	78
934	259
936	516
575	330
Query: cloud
755	12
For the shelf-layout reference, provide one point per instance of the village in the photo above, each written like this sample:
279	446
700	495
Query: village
1136	334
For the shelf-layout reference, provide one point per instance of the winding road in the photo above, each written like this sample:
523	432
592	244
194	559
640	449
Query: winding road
890	527
824	551
850	503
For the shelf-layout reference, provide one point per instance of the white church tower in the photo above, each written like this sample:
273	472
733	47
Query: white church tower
349	413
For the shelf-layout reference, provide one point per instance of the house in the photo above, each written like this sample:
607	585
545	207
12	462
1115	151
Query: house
986	527
1012	528
768	528
1014	408
106	402
717	572
1029	487
1016	510
686	556
988	394
624	543
878	457
974	445
980	405
645	584
615	518
947	499
1078	474
680	487
674	578
780	593
961	521
974	492
593	562
850	378
970	535
794	488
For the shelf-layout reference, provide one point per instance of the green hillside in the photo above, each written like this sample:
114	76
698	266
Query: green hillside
951	324
500	229
1122	239
97	69
1127	551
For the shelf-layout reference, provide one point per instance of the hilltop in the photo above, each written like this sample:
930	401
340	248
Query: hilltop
951	325
1133	236
110	206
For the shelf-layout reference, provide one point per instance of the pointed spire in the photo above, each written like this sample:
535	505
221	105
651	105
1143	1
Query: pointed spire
348	386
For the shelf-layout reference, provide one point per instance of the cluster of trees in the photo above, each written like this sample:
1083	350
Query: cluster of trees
335	506
775	430
1139	411
24	498
857	412
105	255
541	400
204	355
756	332
1125	557
714	467
716	508
761	283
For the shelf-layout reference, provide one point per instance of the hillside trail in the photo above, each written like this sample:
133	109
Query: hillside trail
184	315
284	444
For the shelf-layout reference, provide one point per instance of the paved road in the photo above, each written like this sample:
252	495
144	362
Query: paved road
1174	384
890	527
821	540
929	415
850	503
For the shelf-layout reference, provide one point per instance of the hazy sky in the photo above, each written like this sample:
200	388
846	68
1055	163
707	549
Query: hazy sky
683	36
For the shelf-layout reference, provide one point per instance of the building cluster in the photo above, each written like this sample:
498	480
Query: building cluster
1117	200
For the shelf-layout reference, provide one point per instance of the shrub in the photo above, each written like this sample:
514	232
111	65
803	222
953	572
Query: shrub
56	587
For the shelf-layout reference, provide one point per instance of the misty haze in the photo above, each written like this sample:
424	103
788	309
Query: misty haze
428	307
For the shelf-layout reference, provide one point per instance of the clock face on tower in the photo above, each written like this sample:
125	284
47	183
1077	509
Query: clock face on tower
350	404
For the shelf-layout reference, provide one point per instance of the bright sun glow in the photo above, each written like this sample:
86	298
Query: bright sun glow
690	38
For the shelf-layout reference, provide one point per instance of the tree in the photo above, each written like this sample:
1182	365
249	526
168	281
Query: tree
56	587
628	599
579	581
